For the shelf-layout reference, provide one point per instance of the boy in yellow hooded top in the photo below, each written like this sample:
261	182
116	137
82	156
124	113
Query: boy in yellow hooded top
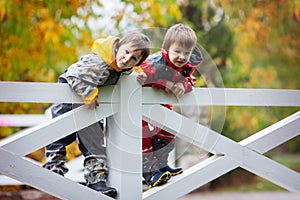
110	58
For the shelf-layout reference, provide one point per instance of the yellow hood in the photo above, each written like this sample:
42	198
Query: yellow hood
104	48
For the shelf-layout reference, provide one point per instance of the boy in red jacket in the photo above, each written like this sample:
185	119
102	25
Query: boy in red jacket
171	70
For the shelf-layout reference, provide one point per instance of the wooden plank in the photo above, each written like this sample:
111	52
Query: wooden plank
24	171
192	178
39	92
274	135
25	120
43	92
5	180
271	170
39	136
262	97
36	92
191	131
75	172
264	141
226	97
124	144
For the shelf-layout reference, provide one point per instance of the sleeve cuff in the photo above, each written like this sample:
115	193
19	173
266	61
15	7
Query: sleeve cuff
89	99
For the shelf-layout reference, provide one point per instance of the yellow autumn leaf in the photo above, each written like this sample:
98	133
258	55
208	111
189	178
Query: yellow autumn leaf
137	69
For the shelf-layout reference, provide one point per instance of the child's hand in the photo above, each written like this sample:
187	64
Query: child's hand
178	89
94	103
169	86
141	78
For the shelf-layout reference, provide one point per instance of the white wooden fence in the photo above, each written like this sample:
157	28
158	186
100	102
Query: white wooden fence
125	105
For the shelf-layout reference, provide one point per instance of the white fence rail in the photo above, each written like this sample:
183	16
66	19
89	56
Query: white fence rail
125	105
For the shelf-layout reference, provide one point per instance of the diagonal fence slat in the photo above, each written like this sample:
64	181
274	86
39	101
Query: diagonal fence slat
191	131
39	136
271	170
274	135
192	178
22	120
22	170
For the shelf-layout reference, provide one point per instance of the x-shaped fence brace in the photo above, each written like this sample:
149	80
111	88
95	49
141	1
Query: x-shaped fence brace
15	165
228	154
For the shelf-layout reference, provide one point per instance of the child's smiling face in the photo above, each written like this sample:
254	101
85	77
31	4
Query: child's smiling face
179	55
128	56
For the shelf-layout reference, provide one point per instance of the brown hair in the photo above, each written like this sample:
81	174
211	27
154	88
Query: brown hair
138	40
181	34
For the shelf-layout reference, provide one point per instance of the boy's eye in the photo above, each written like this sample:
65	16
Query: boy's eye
126	51
134	58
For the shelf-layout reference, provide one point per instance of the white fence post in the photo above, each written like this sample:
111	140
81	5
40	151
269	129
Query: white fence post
124	144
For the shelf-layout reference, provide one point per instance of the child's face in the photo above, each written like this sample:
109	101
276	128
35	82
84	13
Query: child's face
179	55
127	56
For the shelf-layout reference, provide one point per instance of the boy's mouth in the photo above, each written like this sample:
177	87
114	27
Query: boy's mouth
180	63
122	63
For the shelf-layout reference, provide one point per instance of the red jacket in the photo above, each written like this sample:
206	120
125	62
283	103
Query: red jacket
159	70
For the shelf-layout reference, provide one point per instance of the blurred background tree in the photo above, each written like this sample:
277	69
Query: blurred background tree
253	44
266	56
39	39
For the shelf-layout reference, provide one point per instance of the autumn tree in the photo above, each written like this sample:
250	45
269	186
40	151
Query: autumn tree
39	39
266	56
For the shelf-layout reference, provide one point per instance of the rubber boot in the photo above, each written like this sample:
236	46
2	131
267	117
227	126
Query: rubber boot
95	174
56	163
162	148
103	188
156	178
153	177
173	171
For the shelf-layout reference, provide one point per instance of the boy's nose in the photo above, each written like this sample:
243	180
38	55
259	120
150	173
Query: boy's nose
127	57
181	56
